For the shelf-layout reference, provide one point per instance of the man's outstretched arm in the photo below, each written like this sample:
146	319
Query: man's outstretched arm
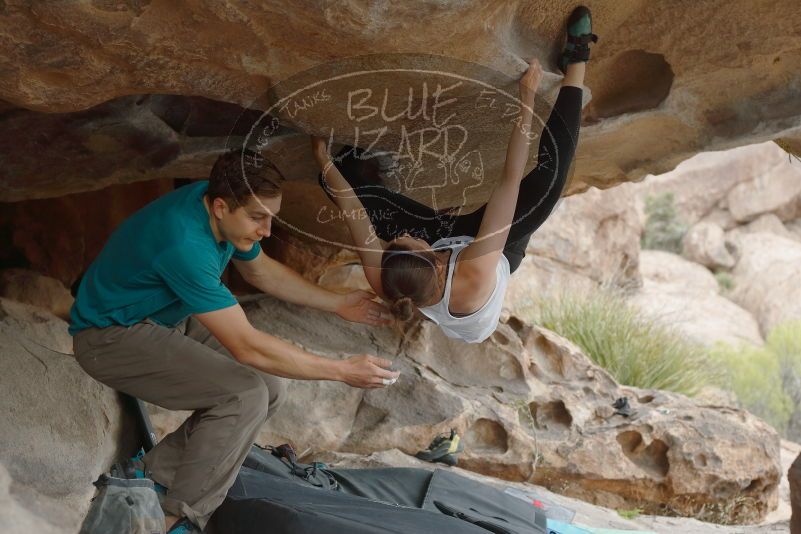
275	356
276	279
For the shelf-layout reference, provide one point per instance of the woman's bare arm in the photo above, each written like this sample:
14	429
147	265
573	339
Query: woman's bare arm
368	245
478	261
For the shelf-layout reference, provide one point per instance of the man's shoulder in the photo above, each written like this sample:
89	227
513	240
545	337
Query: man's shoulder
167	210
190	252
173	218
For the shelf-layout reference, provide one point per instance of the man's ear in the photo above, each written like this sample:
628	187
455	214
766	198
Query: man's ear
219	207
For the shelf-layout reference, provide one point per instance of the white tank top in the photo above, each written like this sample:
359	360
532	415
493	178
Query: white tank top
477	326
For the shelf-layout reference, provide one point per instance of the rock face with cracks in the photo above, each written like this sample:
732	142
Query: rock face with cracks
530	407
61	429
664	85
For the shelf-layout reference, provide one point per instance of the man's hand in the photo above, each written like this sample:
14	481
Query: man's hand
530	82
365	371
359	307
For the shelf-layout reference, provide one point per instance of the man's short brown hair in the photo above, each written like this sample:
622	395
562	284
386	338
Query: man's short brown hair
238	175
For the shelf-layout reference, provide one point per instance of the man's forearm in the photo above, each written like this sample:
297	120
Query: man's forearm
282	282
275	356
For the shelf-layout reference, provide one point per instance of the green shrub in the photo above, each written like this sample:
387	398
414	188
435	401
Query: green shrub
635	349
725	281
663	228
634	513
785	341
753	374
767	380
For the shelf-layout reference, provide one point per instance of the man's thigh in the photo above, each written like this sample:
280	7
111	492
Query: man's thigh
275	384
162	366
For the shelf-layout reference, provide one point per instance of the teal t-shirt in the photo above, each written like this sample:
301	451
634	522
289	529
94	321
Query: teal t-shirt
162	263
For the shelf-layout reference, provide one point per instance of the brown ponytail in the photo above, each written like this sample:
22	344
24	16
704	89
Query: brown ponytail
402	309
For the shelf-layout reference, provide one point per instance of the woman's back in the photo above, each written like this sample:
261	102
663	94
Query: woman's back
480	324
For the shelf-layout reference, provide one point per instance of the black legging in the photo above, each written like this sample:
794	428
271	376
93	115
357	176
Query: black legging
393	214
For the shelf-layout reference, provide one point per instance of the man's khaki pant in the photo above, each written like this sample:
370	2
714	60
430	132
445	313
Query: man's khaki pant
186	368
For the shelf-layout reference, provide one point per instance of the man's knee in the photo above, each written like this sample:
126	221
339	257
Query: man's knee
278	394
268	396
254	397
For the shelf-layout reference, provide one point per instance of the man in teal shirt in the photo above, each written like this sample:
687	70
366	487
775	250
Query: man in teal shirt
153	319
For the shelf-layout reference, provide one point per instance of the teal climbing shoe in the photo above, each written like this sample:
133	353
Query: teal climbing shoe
135	468
184	526
579	37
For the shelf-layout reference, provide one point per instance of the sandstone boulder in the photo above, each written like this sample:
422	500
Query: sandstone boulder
540	278
768	223
348	276
590	239
685	91
794	227
707	319
595	234
37	290
701	183
129	139
61	428
766	278
775	191
658	267
531	407
344	272
705	243
720	217
18	519
685	295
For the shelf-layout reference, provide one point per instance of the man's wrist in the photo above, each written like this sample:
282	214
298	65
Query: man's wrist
337	370
333	302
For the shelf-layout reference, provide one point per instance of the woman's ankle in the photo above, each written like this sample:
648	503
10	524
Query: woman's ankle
574	75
